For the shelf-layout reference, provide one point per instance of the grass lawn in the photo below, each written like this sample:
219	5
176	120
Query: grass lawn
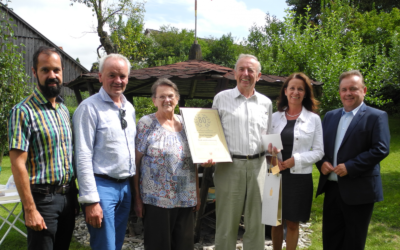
384	230
14	240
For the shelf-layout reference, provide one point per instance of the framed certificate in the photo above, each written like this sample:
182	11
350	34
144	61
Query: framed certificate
205	135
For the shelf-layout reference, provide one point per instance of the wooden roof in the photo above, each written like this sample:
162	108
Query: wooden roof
194	78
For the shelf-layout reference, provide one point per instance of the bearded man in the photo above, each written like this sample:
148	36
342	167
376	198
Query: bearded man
40	144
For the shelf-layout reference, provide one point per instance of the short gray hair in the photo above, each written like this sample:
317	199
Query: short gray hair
248	56
163	82
117	56
351	73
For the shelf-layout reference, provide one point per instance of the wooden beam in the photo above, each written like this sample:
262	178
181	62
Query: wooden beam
131	90
193	88
182	102
222	85
90	88
78	94
129	98
205	184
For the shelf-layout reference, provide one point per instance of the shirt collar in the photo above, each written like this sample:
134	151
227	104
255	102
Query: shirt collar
304	114
354	111
41	99
105	97
236	93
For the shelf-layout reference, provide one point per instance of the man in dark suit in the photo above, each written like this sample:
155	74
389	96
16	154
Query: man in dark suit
356	139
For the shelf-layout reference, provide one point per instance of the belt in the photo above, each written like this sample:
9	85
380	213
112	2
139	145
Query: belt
104	176
248	157
50	189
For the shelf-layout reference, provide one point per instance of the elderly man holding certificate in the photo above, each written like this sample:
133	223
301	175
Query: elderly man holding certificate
245	115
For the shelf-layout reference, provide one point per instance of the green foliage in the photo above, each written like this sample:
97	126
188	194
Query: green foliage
128	36
321	52
12	76
224	51
316	6
106	13
171	45
143	106
376	27
70	100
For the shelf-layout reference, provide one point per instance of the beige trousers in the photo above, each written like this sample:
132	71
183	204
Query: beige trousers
239	188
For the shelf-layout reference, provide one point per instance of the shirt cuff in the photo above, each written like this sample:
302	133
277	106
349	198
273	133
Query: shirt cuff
297	164
90	198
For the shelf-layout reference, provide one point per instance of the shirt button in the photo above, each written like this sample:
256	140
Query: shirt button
297	138
294	170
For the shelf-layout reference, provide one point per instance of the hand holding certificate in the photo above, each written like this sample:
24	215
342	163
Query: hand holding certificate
205	135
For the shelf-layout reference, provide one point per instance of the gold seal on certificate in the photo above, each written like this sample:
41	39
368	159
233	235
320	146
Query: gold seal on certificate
205	135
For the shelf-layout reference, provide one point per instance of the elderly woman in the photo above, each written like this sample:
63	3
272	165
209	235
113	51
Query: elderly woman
169	191
301	133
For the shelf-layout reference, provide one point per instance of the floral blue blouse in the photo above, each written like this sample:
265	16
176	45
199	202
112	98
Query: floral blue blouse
168	175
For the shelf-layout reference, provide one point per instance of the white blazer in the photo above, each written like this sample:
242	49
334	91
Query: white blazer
308	146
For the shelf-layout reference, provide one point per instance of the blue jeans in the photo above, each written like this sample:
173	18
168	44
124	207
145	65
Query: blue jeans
115	200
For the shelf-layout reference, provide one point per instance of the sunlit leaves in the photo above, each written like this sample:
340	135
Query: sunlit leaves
12	75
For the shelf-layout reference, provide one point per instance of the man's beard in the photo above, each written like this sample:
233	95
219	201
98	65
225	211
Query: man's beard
50	92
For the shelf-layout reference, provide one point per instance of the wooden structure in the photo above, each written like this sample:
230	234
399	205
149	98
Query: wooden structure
195	79
33	39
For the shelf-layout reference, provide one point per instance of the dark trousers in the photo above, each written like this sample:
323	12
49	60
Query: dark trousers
344	226
57	211
168	228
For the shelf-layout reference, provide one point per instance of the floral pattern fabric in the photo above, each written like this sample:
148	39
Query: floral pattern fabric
168	175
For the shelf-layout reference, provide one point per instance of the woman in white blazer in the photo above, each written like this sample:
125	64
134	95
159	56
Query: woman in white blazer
301	133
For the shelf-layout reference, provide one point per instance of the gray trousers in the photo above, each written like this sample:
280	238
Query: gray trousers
239	188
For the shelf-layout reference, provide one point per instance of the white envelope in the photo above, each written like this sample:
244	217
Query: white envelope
275	139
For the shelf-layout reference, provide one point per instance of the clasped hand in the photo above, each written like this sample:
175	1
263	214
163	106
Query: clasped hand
281	164
327	168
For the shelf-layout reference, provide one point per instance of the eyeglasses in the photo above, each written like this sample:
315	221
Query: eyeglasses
122	114
163	98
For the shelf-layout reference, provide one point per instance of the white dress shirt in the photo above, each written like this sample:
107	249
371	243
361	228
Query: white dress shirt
101	145
308	146
243	120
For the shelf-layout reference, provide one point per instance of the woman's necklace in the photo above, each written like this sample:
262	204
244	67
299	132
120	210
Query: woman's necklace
292	115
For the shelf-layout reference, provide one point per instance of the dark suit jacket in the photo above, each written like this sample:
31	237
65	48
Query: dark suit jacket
364	145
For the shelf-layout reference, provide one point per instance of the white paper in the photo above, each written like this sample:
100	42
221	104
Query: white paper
275	139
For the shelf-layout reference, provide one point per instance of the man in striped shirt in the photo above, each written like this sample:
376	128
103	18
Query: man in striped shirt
245	115
40	144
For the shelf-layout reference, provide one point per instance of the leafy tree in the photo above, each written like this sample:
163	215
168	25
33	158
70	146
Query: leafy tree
316	6
12	76
172	45
300	7
224	51
375	27
325	49
128	37
105	12
321	52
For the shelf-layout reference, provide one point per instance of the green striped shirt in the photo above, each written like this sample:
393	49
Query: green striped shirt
34	126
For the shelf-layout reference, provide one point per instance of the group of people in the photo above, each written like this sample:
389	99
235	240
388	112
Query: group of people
110	156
